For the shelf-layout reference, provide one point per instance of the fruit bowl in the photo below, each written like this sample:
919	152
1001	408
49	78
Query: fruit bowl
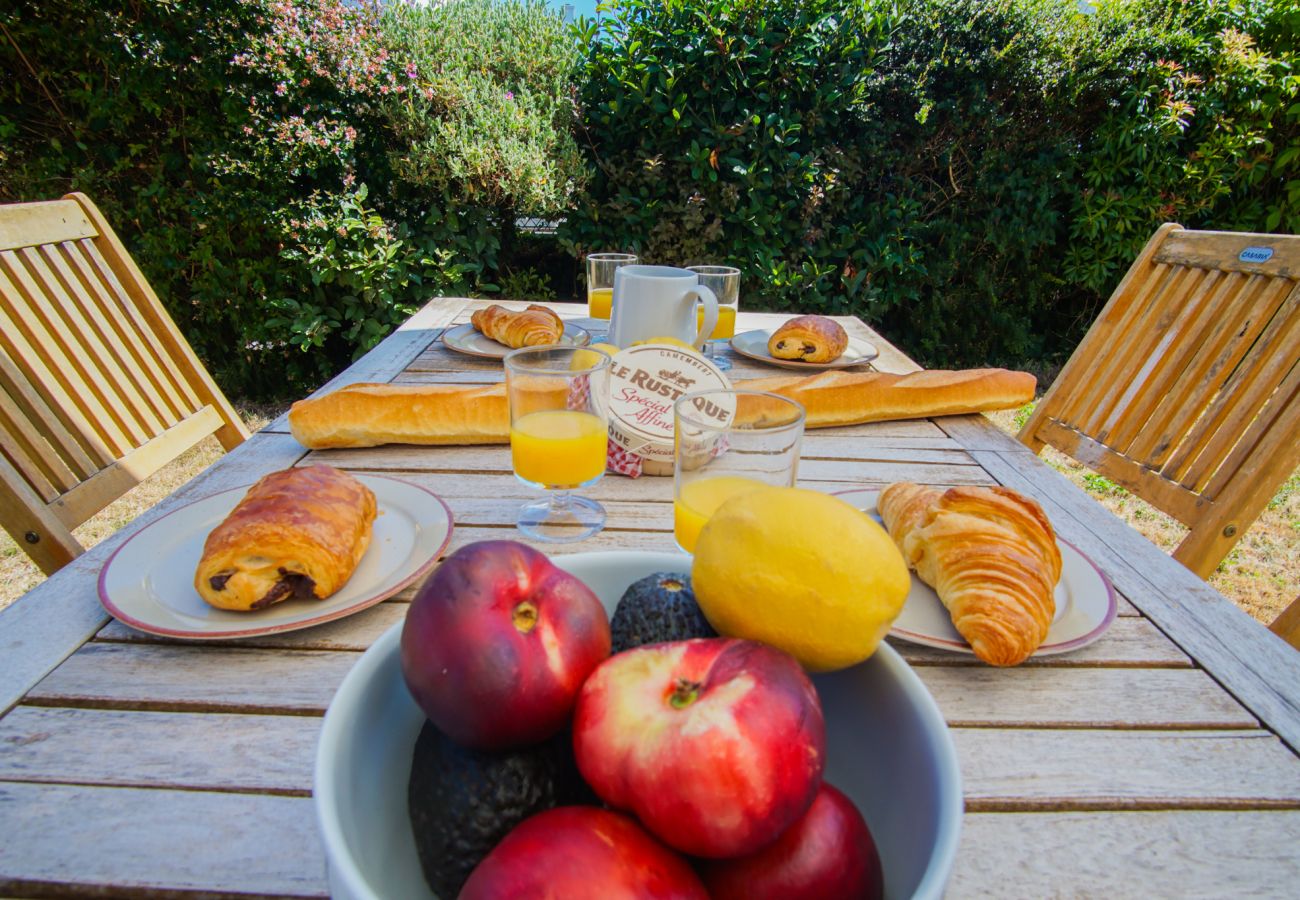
888	749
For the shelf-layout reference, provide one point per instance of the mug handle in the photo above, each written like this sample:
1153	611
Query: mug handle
710	301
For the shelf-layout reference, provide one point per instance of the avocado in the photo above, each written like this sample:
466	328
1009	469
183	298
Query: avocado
462	802
659	607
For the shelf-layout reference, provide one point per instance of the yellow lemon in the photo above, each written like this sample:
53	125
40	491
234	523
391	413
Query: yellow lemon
802	571
676	342
584	360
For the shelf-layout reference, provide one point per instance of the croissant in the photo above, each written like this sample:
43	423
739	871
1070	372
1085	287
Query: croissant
814	339
991	556
298	533
530	327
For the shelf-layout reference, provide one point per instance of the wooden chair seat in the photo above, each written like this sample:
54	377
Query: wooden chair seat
98	388
1186	390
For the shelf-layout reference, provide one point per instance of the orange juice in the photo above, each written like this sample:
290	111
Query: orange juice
700	499
726	327
600	301
558	447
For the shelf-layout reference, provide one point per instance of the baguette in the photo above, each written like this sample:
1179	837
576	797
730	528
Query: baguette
366	415
849	398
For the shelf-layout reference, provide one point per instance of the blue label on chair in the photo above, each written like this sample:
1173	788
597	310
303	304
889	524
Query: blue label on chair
1256	254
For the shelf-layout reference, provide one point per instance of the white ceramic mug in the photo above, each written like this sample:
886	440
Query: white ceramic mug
659	301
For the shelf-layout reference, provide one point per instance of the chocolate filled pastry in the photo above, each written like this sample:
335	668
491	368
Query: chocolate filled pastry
296	534
812	339
531	327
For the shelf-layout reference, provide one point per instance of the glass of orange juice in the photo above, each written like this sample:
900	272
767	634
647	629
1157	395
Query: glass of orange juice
559	431
724	281
600	281
726	443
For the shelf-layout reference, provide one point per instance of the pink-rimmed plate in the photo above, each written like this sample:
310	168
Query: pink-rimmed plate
1085	602
148	582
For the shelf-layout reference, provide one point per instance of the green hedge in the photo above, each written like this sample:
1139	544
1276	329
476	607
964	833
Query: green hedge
971	175
294	176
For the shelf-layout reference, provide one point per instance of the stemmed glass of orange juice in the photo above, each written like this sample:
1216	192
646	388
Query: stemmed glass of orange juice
724	281
559	432
600	281
727	443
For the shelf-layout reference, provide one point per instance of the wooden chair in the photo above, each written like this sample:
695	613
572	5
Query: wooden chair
1186	390
98	388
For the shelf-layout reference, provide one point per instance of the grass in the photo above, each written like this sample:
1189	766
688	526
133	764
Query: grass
1261	574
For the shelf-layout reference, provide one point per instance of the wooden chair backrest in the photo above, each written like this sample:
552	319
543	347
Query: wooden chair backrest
1186	390
98	388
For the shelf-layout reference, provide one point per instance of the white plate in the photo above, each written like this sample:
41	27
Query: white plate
148	582
1085	602
754	345
469	340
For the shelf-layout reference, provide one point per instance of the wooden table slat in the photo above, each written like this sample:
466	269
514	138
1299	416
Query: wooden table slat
1082	698
1184	854
112	840
1125	769
195	678
159	749
190	677
1101	769
496	458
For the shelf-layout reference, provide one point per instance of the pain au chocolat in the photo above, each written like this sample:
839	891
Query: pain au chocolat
298	534
810	339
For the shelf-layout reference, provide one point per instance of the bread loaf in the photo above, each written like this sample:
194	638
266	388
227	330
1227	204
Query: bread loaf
848	398
366	415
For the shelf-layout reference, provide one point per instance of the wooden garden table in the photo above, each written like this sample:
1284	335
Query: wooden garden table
1159	761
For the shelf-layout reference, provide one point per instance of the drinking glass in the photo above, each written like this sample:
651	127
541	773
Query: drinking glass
726	443
724	281
600	281
559	431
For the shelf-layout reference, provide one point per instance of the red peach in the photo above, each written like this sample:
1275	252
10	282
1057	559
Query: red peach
582	853
497	644
716	745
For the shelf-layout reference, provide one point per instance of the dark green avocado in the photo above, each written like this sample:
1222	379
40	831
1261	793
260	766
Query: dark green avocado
659	607
463	802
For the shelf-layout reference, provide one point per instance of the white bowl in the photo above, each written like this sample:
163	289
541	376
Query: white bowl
888	749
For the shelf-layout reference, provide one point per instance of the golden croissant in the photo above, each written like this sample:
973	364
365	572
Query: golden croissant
991	556
530	327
